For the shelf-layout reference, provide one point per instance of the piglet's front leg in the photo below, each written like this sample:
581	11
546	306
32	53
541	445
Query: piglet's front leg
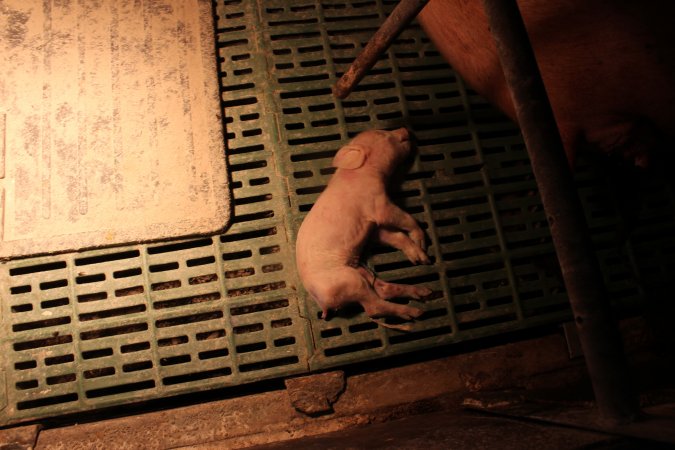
401	241
392	217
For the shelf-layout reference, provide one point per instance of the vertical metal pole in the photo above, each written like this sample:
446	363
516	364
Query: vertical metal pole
400	17
598	332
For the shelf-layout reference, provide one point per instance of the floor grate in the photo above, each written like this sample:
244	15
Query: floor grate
114	326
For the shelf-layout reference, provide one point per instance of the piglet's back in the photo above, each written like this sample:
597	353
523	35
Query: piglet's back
333	232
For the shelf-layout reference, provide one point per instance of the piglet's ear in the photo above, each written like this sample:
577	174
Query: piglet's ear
349	157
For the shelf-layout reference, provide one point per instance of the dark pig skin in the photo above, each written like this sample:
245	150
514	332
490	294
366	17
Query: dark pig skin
352	209
608	67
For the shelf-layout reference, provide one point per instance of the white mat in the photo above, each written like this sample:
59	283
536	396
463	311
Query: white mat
110	124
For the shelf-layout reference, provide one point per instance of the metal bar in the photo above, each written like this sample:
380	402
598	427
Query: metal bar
400	17
600	338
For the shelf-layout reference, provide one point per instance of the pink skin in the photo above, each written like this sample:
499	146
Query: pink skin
608	67
353	207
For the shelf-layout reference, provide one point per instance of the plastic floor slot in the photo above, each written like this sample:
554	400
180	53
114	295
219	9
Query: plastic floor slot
109	327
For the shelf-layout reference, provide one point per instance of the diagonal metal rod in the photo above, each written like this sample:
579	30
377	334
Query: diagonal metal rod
598	332
404	13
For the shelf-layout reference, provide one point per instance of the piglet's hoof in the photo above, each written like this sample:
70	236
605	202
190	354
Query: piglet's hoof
405	312
400	326
417	255
421	292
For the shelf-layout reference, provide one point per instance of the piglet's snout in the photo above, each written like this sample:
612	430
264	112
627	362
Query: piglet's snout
402	134
401	139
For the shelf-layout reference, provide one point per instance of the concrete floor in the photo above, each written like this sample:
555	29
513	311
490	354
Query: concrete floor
459	429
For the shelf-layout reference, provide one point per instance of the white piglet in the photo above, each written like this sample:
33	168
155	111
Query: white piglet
353	208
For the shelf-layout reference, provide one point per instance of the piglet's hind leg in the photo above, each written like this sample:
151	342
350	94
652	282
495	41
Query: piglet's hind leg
394	290
387	290
376	307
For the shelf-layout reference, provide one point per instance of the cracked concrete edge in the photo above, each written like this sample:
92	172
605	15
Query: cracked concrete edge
309	429
333	424
19	438
315	394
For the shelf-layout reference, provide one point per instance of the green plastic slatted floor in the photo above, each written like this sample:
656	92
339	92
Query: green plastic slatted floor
94	329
